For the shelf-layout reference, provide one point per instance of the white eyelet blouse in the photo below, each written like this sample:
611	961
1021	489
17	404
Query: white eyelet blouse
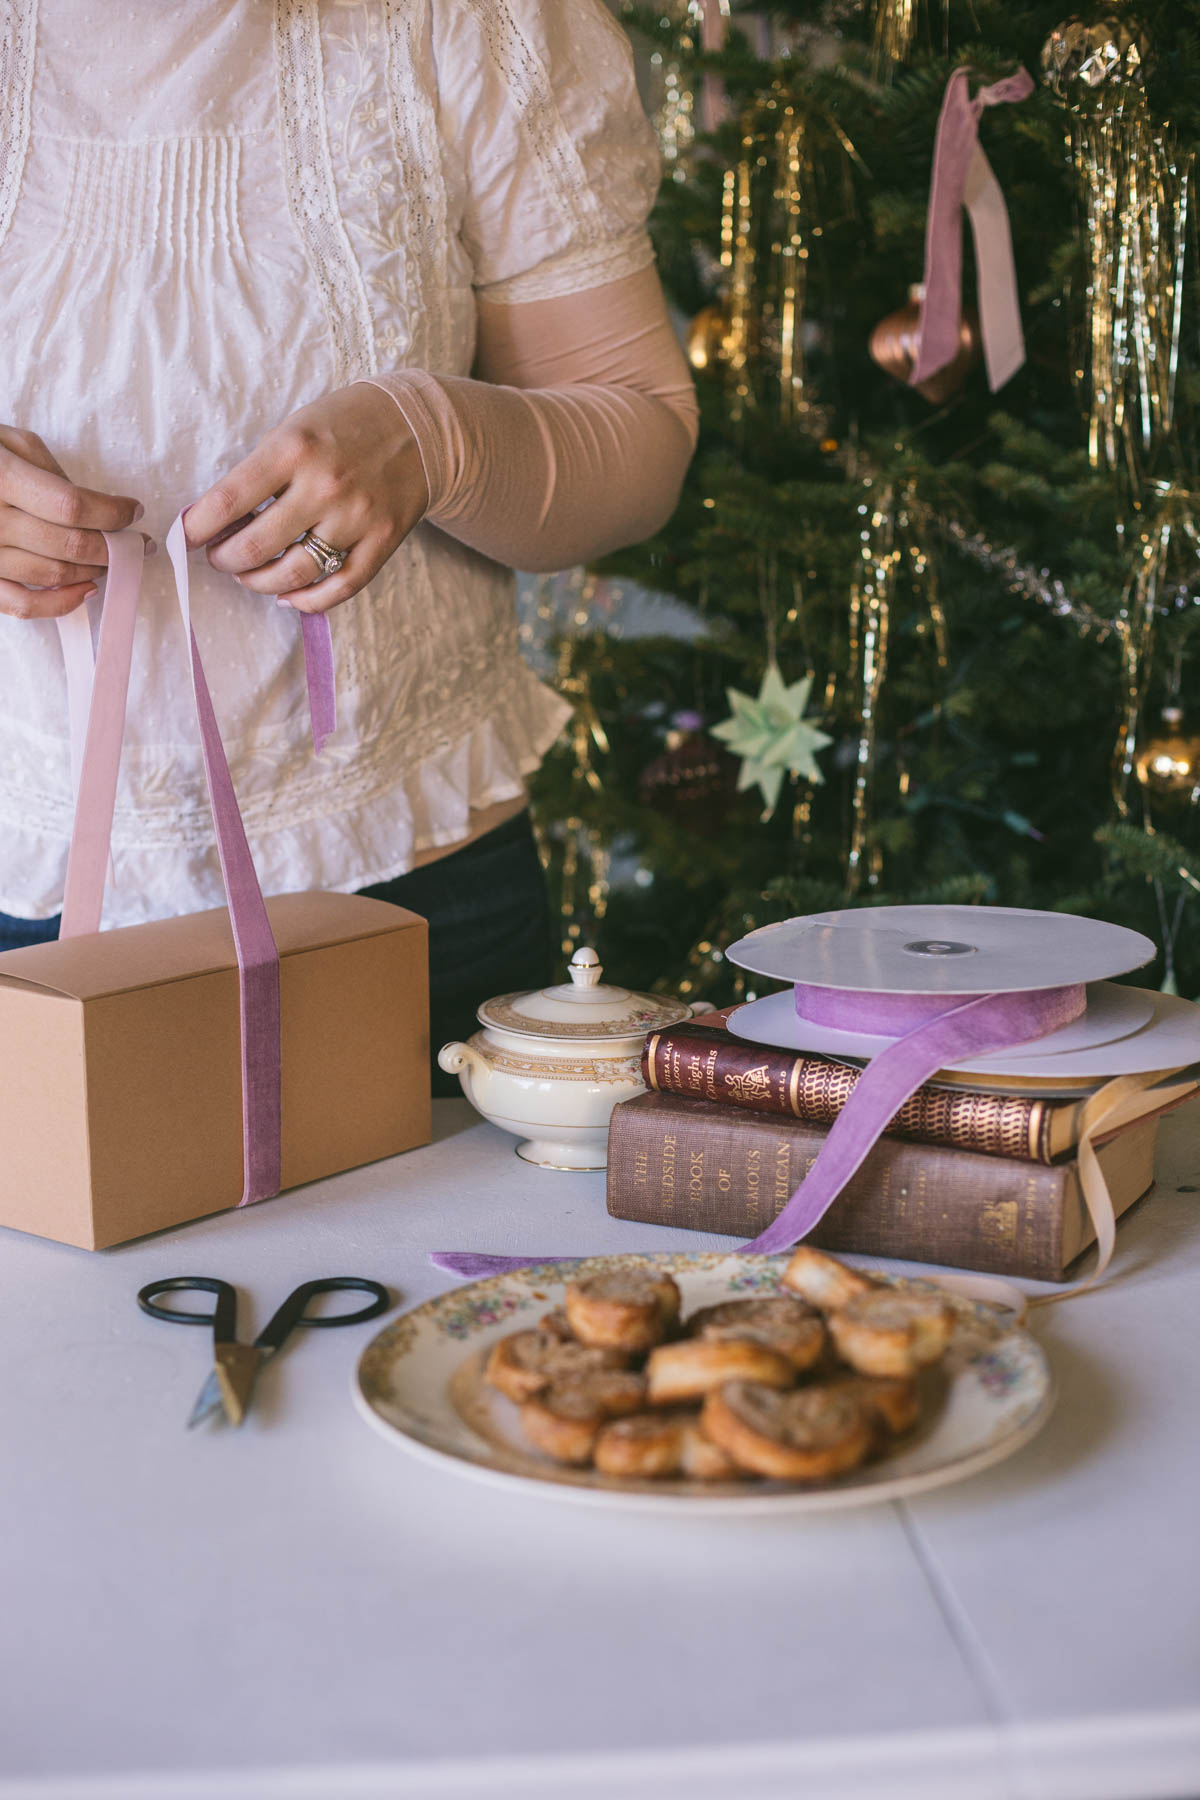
210	215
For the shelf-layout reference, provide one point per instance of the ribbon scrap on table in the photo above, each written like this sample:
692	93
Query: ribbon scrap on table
97	690
962	177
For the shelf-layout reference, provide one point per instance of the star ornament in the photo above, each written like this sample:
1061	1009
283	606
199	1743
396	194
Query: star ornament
771	735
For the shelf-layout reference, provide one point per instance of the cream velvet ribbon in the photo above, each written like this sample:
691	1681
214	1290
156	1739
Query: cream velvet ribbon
1120	1102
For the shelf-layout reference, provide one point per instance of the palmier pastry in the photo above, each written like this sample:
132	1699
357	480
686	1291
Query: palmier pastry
890	1333
694	1366
556	1323
647	1444
525	1362
807	1434
891	1401
565	1421
783	1322
703	1460
822	1280
656	1444
624	1310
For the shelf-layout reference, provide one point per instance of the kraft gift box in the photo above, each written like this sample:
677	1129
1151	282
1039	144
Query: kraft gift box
120	1052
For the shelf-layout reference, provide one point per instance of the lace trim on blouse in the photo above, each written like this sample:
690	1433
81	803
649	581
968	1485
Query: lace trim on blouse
424	225
18	27
539	122
312	194
576	270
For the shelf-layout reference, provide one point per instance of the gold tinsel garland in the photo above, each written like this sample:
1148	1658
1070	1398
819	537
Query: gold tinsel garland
566	606
893	542
891	40
1136	187
769	217
680	112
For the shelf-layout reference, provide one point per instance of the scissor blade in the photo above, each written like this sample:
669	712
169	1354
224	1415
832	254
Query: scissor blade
237	1366
208	1402
229	1387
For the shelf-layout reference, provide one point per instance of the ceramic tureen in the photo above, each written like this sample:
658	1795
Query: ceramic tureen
550	1065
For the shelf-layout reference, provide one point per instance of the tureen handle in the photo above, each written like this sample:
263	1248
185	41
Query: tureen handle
472	1069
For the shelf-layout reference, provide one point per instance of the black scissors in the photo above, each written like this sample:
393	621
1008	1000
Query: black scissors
229	1387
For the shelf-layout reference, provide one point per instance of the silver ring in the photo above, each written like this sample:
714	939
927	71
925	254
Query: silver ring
327	559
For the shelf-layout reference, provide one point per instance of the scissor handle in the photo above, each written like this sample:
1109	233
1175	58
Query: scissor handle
293	1311
223	1317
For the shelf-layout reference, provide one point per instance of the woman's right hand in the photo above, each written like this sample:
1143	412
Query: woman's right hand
52	553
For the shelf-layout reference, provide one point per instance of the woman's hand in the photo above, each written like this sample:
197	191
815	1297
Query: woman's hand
52	553
347	469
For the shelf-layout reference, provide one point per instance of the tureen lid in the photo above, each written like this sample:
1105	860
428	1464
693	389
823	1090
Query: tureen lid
582	1007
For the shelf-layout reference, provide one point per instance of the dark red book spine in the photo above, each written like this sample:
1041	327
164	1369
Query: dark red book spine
706	1062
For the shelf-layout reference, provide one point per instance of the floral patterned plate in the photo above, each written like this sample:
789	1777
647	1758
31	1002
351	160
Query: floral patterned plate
420	1381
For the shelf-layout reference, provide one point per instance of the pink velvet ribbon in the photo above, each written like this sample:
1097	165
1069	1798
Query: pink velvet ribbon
938	1031
98	721
962	176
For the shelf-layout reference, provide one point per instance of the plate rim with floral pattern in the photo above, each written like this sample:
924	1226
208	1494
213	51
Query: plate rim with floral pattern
418	1382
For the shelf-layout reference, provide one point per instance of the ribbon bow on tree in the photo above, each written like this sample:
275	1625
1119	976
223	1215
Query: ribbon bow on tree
962	176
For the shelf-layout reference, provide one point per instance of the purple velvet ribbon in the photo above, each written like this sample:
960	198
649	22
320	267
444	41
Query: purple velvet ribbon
254	941
962	176
318	670
966	1026
938	1031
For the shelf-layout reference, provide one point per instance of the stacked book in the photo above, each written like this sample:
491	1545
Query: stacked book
727	1130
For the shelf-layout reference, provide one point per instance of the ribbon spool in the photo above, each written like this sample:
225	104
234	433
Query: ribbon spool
922	989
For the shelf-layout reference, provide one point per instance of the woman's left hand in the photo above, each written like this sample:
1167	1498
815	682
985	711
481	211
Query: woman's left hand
347	469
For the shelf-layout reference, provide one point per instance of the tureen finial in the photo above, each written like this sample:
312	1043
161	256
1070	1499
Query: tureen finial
584	968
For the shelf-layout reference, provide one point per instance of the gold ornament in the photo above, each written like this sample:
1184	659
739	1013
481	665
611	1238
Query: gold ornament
1080	57
1168	765
1135	182
1166	543
895	341
706	337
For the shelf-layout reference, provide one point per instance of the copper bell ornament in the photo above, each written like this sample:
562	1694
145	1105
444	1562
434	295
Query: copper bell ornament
895	341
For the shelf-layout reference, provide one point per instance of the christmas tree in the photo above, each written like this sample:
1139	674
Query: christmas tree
943	633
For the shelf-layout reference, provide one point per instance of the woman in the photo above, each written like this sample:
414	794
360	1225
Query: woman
368	289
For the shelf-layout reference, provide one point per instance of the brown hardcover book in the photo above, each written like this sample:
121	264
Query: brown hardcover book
706	1166
706	1062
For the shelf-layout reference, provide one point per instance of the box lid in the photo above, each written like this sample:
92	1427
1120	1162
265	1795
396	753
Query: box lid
138	956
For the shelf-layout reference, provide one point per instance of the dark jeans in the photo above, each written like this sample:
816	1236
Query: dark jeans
489	928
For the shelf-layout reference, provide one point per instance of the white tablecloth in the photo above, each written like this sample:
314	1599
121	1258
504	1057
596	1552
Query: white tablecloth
301	1609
